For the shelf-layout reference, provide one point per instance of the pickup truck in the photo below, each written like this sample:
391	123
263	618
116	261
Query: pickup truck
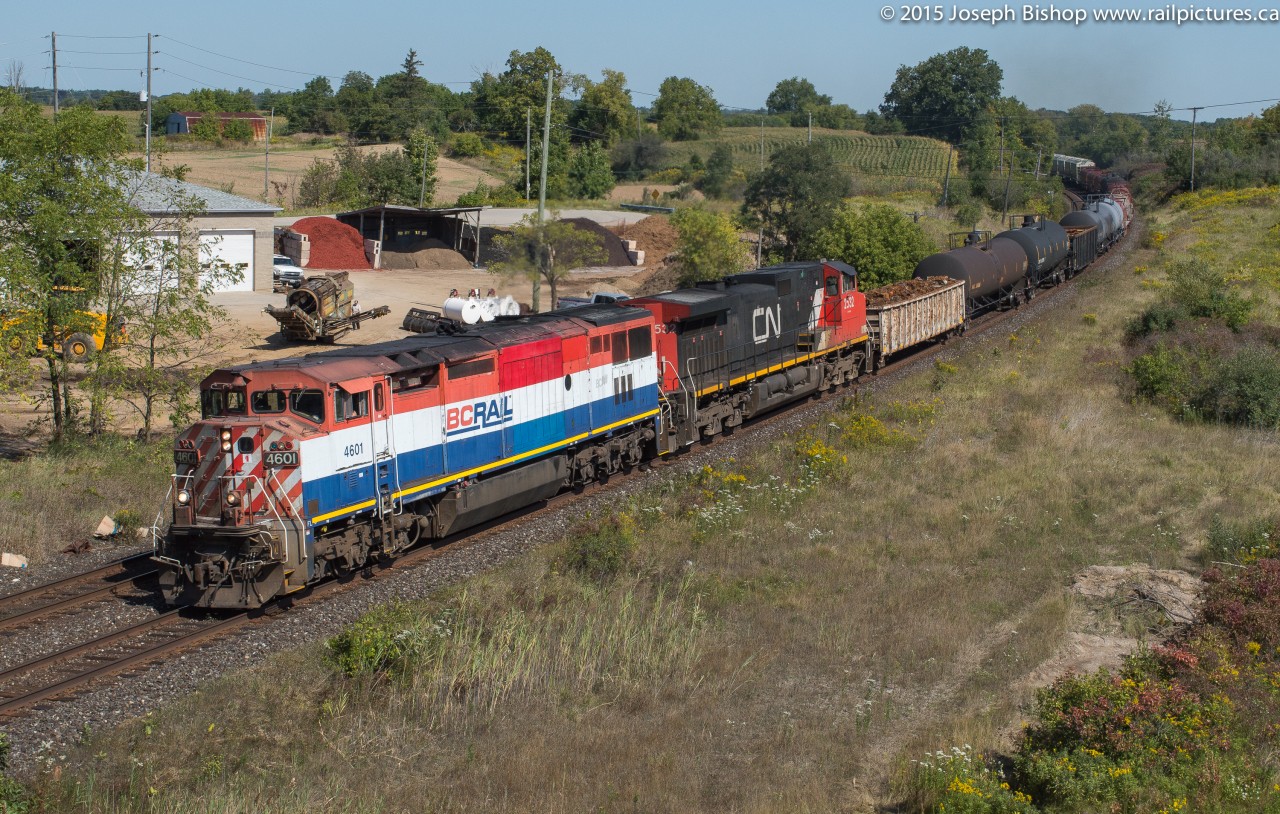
594	299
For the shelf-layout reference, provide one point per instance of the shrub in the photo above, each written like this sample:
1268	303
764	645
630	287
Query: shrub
1163	376
1160	317
1204	291
602	552
466	145
1243	389
13	798
378	641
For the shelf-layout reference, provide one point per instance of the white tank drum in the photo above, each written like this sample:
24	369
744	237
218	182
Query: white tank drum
467	311
509	307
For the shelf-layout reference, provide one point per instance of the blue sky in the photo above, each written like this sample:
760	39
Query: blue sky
740	49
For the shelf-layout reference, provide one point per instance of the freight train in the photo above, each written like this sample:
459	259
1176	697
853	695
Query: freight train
308	467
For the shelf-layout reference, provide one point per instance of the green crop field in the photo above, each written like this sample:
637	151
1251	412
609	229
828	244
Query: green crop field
904	159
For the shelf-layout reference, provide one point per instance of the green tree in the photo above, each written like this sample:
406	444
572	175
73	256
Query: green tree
1159	131
634	158
794	198
160	283
64	208
837	117
719	172
685	110
411	102
883	244
360	105
237	130
314	110
502	101
589	172
709	246
604	111
945	94
795	95
546	252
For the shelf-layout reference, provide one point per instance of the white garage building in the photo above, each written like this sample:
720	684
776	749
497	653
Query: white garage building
234	230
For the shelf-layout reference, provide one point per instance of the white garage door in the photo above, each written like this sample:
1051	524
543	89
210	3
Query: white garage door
234	248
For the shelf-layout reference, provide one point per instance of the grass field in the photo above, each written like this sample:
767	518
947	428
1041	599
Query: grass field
241	171
784	632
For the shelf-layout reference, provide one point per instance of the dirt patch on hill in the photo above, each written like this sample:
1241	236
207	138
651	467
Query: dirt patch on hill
616	253
1111	600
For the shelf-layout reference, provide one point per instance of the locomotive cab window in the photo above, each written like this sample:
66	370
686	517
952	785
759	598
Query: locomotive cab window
309	404
268	401
640	342
347	406
833	286
218	402
619	347
850	283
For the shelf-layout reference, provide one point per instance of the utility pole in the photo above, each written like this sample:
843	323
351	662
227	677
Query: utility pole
266	166
1194	111
810	128
1008	178
542	197
528	134
946	180
148	122
760	237
53	36
422	190
1002	142
1039	156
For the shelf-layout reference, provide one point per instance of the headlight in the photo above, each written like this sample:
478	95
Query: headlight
226	446
226	435
184	497
233	498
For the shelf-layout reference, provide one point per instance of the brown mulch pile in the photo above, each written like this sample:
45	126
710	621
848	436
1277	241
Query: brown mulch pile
422	253
617	253
334	245
656	236
906	289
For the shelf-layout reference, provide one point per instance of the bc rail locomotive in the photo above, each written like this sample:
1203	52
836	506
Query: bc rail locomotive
314	466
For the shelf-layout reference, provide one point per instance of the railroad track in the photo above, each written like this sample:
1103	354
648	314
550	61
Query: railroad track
75	668
24	608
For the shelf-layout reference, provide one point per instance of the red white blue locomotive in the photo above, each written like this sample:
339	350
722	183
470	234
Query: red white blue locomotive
302	468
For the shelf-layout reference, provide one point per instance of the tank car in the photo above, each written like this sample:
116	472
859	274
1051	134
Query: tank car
1045	244
1102	212
992	268
301	468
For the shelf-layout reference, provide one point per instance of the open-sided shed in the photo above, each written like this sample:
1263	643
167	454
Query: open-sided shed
392	226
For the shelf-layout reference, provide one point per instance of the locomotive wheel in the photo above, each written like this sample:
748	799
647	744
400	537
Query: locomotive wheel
78	348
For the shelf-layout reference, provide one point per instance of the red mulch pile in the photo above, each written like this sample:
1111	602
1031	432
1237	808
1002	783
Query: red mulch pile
334	245
906	289
612	243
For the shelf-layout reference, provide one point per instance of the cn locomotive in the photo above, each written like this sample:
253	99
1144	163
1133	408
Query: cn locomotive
308	467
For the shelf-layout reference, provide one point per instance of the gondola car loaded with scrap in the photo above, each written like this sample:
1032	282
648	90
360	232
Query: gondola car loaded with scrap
308	467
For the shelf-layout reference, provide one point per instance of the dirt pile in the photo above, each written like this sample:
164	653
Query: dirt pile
426	253
656	236
617	253
334	245
906	289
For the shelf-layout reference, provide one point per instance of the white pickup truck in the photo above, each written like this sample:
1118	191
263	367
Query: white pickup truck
594	299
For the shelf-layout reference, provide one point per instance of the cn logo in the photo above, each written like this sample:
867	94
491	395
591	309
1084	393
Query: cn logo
766	322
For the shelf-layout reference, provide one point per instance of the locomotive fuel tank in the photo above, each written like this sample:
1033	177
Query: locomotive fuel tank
986	266
1044	241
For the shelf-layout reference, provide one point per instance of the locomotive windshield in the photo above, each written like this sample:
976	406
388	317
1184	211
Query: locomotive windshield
309	404
219	402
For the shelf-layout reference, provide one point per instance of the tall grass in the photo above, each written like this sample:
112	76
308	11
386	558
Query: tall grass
58	497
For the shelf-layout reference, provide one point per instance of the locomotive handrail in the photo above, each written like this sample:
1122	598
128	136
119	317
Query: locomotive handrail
297	514
253	479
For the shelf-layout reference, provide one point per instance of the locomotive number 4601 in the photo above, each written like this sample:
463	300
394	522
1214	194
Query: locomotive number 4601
281	458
